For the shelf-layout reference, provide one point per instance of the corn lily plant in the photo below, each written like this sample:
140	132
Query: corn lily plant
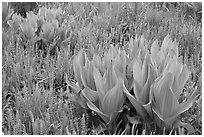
141	68
109	85
144	75
83	69
110	94
100	81
164	103
167	108
161	56
158	82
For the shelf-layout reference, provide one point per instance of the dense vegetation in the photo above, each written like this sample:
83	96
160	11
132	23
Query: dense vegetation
38	49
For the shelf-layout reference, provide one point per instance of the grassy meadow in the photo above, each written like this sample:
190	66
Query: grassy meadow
37	61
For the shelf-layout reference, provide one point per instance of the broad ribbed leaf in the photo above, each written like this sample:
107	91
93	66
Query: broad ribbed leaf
99	83
176	70
90	78
77	99
134	120
169	103
81	58
139	58
130	68
90	94
154	48
182	79
189	127
155	89
171	66
106	62
78	62
142	41
112	117
146	89
144	95
137	105
148	108
183	106
113	99
135	49
110	78
131	44
145	69
165	44
137	88
99	112
157	117
83	72
97	61
152	75
137	72
166	97
156	112
175	48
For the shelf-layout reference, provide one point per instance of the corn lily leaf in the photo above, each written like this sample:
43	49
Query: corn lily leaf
77	94
135	48
86	74
42	11
180	72
134	120
32	19
130	64
90	94
138	89
131	44
184	106
137	72
183	77
142	41
97	62
78	62
154	48
114	99
129	73
142	91
105	117
137	104
175	49
148	108
90	78
189	127
164	102
110	77
112	117
99	81
83	72
78	100
145	69
164	96
28	30
144	95
106	62
165	44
